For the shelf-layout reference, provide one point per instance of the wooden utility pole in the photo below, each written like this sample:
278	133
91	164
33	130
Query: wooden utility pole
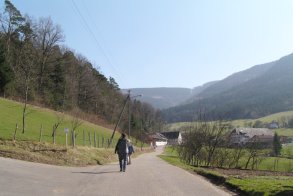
125	102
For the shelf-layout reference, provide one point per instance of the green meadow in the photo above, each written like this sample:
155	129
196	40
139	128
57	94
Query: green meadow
11	114
243	185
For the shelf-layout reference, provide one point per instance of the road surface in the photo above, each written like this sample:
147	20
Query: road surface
147	175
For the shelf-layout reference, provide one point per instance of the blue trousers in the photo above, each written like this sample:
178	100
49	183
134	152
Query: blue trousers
122	161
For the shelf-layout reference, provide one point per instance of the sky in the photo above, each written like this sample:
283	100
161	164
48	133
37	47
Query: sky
170	43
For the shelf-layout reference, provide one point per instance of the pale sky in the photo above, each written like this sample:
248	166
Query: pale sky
171	43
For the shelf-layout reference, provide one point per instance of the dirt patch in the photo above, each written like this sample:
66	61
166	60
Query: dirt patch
248	173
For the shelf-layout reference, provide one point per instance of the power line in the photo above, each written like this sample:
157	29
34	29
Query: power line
95	39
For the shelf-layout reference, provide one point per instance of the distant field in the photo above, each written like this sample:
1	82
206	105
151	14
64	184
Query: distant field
285	132
11	113
245	122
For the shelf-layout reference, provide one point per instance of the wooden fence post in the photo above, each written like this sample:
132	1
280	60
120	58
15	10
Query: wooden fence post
90	140
98	142
66	139
54	135
95	140
41	133
83	137
15	130
73	138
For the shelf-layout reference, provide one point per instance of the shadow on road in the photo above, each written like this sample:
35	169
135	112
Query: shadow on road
103	172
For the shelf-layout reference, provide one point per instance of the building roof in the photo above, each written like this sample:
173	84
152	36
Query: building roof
171	135
250	132
262	138
157	136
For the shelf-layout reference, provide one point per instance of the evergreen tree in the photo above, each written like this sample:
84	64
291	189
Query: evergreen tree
6	74
114	84
57	87
277	146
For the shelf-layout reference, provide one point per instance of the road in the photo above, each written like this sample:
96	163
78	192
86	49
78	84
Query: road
147	175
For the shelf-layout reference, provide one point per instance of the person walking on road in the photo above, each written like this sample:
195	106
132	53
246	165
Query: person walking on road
130	151
122	150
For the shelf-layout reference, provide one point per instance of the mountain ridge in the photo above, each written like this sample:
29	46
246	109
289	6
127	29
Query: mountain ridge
260	90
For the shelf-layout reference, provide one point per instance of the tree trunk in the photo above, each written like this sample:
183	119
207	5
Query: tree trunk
246	165
24	107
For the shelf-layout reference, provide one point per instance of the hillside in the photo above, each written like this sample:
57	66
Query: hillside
91	139
253	93
162	98
281	118
36	67
11	114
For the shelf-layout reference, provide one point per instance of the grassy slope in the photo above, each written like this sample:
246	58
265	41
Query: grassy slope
253	185
27	146
11	113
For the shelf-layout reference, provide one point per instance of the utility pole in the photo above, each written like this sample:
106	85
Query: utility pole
129	115
125	102
129	111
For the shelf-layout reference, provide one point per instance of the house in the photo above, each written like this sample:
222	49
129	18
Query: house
273	125
286	139
156	139
174	137
262	140
241	136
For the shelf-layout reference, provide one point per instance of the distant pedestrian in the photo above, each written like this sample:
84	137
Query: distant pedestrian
122	150
130	151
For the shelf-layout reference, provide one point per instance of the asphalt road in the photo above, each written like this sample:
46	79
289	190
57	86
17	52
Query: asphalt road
147	175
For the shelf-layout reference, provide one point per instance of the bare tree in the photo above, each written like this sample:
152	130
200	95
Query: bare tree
253	149
47	36
59	121
215	132
237	153
75	123
25	65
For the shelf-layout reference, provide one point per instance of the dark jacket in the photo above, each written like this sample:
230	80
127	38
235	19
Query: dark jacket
130	149
121	146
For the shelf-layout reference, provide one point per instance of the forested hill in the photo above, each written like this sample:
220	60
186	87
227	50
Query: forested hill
166	97
162	97
256	92
35	67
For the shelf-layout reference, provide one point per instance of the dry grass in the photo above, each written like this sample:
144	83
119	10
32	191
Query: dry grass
59	154
55	154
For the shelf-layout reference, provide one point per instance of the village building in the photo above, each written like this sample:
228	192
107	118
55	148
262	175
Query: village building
156	139
242	136
273	125
174	137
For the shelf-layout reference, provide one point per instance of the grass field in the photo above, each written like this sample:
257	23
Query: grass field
244	185
11	113
245	122
263	185
27	146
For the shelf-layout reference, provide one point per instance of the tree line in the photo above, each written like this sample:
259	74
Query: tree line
207	143
36	68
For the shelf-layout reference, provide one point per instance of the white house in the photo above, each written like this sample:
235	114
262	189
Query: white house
174	137
156	139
